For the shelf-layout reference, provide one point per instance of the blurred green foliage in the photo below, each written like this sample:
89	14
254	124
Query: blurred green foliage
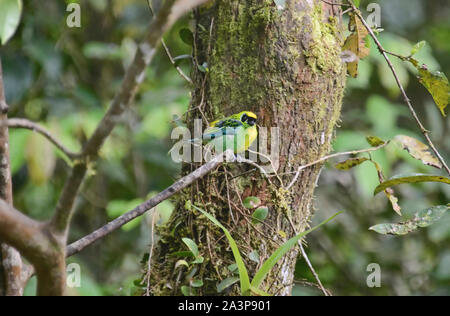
416	264
65	78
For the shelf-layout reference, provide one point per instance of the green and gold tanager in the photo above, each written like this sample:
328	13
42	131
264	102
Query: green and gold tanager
236	132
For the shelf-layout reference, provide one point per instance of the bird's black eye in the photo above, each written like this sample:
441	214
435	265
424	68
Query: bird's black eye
244	118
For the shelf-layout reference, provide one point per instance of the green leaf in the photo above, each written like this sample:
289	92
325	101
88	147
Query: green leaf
186	36
198	260
191	274
182	254
232	267
251	202
438	86
187	291
422	218
350	163
410	179
243	274
418	150
226	284
10	13
375	141
429	216
197	283
392	229
417	47
260	214
280	252
357	3
192	246
181	263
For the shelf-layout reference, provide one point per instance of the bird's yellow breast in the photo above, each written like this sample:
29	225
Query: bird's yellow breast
252	133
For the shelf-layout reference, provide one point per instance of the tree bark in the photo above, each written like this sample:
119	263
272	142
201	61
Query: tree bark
283	63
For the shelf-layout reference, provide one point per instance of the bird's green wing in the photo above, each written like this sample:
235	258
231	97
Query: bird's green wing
233	123
228	128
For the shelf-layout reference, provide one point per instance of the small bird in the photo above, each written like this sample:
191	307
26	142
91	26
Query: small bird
236	132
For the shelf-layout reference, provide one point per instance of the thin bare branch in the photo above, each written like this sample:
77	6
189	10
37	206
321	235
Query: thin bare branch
27	124
166	48
383	52
308	262
354	152
148	205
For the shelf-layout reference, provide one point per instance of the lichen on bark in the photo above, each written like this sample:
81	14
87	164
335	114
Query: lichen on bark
285	66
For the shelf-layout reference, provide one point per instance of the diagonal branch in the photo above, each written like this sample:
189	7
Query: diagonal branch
144	207
424	131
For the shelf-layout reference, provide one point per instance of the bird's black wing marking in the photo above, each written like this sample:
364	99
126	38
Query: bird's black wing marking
229	123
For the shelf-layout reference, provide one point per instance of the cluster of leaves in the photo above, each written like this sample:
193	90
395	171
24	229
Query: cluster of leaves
417	150
417	264
246	287
357	47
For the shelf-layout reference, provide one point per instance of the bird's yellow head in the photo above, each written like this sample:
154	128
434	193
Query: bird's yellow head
247	117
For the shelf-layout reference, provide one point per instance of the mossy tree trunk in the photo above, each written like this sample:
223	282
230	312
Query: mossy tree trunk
283	64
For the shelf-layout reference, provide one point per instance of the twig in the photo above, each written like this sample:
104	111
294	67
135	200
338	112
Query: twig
26	124
306	283
271	164
144	207
354	152
180	71
305	256
228	196
424	131
150	255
